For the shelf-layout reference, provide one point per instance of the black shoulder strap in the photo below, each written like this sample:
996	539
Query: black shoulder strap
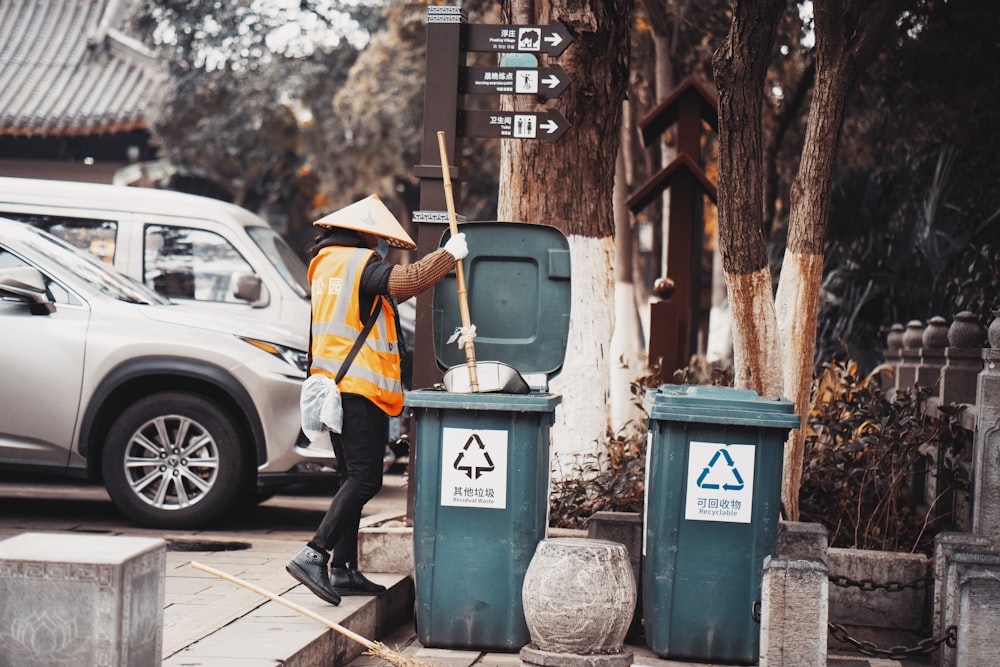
358	343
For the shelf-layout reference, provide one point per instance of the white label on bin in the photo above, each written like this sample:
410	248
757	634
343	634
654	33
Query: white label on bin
473	468
720	482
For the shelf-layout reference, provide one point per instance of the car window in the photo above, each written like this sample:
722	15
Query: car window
96	236
289	265
89	269
57	293
186	263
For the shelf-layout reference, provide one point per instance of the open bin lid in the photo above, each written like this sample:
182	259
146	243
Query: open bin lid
517	278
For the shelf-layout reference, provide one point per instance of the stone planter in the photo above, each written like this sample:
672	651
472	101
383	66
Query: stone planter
579	597
873	613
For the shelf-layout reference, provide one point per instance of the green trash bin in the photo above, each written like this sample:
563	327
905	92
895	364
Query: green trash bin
712	503
481	460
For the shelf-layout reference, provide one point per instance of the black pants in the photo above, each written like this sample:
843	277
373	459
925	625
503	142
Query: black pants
360	450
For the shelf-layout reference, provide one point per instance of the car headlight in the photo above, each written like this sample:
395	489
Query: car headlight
297	358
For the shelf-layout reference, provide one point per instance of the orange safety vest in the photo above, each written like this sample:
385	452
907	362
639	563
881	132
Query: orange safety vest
335	272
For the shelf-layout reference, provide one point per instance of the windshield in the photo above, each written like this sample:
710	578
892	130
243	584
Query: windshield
291	268
92	271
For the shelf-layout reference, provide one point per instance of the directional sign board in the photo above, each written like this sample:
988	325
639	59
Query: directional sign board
547	82
547	125
551	39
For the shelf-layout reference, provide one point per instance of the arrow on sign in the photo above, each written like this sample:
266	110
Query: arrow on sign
547	82
551	39
547	125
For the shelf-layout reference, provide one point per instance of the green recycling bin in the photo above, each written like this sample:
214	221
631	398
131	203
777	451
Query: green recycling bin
481	460
713	491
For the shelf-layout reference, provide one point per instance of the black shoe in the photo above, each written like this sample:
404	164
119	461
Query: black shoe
348	581
309	569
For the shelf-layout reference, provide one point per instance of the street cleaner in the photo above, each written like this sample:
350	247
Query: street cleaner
354	382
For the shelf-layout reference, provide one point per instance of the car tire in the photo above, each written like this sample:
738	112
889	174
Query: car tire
173	460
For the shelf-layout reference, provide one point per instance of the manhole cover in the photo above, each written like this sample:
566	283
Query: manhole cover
205	545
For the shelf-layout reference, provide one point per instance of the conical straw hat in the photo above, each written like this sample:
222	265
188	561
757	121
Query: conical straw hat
370	216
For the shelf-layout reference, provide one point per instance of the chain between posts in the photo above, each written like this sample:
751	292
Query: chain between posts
923	647
889	587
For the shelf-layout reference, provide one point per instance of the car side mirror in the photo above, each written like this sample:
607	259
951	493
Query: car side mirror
249	287
28	285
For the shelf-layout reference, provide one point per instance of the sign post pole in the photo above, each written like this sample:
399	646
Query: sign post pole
449	39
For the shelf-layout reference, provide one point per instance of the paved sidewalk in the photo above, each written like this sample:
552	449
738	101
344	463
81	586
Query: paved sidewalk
211	622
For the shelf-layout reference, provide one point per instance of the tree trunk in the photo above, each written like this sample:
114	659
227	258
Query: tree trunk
569	184
846	38
626	340
740	65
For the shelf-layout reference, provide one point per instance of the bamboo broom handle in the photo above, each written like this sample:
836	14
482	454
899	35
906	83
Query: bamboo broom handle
367	643
463	297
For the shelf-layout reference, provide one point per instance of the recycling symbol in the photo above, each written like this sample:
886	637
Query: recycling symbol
736	480
476	461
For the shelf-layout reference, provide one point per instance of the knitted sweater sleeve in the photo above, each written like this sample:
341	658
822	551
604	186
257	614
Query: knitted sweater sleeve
412	279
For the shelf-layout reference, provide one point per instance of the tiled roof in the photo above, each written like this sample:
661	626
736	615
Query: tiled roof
65	70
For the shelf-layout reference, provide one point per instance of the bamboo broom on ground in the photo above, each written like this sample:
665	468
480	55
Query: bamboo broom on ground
375	649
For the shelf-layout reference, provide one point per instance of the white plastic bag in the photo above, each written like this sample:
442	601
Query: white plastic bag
322	411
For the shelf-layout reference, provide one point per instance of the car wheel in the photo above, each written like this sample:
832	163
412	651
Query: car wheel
173	460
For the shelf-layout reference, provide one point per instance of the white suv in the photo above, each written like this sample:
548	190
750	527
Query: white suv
181	414
203	253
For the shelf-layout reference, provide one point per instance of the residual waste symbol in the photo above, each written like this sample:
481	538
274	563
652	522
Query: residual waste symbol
734	482
474	460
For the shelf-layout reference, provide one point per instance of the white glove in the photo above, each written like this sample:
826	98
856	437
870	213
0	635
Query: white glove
457	246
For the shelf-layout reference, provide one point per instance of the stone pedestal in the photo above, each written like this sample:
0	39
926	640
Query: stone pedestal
578	597
986	453
979	600
957	556
798	540
933	343
963	360
794	612
892	358
71	599
909	356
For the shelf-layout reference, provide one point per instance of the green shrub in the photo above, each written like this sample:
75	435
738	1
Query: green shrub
863	463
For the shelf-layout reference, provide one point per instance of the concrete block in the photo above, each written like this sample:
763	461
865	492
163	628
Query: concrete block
387	548
793	625
986	452
979	618
72	599
798	540
878	608
622	527
958	378
625	528
948	573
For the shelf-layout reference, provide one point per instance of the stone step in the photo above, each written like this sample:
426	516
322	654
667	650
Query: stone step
273	634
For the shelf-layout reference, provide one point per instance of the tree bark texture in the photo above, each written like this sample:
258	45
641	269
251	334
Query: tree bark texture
569	184
740	66
797	305
847	35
